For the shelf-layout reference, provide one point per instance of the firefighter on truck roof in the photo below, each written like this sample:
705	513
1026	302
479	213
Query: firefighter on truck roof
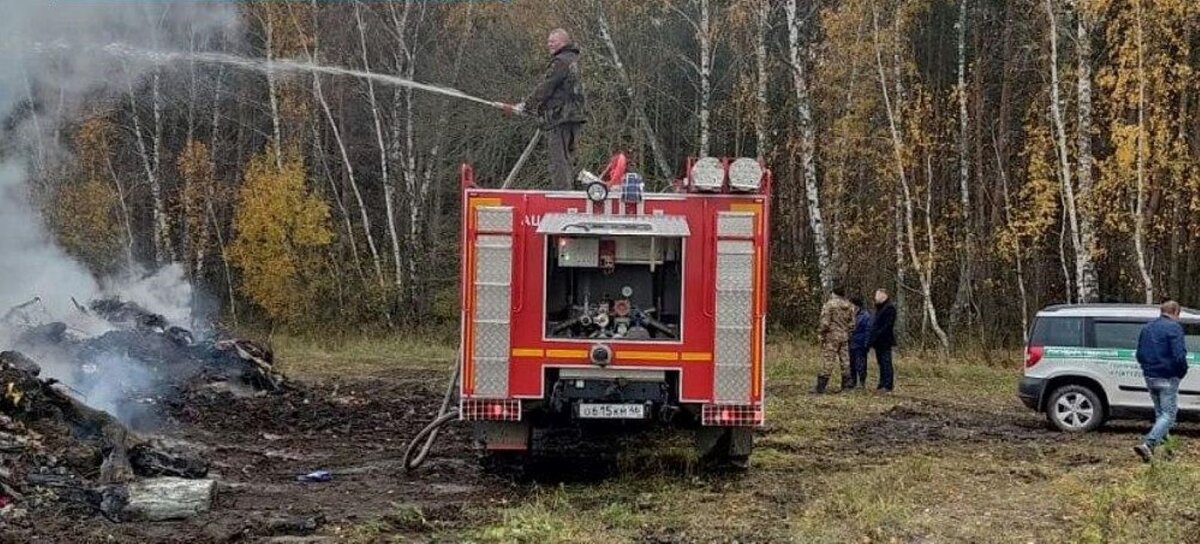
558	101
837	322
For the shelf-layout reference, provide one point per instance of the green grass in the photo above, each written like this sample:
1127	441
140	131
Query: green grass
361	355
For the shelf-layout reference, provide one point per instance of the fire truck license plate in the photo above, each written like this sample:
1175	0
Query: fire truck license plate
612	411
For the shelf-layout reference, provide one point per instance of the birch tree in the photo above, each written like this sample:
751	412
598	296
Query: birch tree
800	55
962	298
923	267
389	184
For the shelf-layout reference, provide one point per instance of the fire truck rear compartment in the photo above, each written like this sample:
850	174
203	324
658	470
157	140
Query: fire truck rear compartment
614	287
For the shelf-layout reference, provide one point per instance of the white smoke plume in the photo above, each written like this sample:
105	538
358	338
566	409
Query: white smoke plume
54	59
52	62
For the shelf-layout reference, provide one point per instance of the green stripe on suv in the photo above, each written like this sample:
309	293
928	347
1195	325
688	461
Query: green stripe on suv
1102	354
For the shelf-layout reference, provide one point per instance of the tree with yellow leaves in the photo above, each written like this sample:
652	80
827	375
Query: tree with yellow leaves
282	230
1147	79
87	210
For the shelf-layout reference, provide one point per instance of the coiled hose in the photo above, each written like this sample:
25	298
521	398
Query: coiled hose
418	448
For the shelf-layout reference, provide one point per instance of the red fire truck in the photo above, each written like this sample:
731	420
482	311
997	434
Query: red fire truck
615	307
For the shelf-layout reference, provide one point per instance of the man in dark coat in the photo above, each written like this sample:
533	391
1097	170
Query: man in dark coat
883	338
559	102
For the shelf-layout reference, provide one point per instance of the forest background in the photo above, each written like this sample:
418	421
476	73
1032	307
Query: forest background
979	158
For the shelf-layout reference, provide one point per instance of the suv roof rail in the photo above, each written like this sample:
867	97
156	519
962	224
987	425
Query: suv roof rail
1110	306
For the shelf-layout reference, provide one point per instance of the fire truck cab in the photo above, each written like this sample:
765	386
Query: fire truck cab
613	307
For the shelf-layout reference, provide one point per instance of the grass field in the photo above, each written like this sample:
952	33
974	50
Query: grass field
951	456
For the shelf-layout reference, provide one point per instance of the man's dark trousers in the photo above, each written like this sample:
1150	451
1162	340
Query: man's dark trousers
883	355
560	142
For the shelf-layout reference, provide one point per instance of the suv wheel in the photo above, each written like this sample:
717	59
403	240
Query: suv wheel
1074	409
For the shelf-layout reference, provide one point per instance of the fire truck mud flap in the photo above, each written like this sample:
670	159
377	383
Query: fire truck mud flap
725	446
510	436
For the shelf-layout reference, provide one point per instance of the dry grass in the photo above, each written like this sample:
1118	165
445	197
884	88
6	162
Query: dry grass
952	456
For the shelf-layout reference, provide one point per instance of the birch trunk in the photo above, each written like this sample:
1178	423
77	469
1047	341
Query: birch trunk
1089	284
931	252
340	201
1064	159
406	65
162	229
350	177
660	160
212	214
389	185
705	38
123	202
763	25
272	91
148	169
1018	251
1139	219
434	225
1062	254
796	23
962	298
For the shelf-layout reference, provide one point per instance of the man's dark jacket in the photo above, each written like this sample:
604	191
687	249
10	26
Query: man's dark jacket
1161	350
559	98
883	326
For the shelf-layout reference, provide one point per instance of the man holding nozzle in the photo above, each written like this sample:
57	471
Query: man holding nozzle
558	101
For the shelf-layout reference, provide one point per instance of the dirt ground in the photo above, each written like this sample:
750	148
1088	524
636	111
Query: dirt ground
952	456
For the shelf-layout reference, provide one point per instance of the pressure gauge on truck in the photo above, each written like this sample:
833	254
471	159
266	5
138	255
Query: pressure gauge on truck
597	191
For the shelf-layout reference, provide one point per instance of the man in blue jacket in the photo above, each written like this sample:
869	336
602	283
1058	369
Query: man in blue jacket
1162	354
859	344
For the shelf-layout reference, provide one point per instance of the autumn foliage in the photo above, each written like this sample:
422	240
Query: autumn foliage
282	230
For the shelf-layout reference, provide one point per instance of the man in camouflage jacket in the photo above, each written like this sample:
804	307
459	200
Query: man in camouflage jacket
837	323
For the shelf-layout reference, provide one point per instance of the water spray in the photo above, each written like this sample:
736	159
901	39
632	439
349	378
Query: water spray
289	65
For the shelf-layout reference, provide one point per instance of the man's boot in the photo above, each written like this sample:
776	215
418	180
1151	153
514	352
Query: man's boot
847	382
822	383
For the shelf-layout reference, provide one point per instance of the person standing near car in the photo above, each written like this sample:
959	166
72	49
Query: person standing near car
1162	354
858	343
883	338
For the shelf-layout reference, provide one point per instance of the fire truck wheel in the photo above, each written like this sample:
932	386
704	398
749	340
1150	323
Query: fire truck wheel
725	448
504	463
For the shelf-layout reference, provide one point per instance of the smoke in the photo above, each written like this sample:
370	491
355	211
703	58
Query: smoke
53	66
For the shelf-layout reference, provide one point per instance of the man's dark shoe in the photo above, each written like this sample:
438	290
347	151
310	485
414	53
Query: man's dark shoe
1144	452
847	382
822	383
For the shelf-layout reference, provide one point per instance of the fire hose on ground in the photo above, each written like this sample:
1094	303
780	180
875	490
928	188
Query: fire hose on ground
418	448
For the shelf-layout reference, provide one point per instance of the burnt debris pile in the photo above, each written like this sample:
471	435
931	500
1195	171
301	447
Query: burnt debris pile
68	402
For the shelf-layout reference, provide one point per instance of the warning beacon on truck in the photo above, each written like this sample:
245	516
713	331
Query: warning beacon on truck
611	308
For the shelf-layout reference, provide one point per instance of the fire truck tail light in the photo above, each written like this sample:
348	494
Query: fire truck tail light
491	410
708	174
732	415
745	174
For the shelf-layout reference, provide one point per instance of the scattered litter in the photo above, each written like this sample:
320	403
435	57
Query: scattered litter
318	476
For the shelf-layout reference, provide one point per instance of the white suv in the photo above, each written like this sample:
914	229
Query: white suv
1081	369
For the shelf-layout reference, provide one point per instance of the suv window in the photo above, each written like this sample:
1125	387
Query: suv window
1191	335
1066	332
1118	334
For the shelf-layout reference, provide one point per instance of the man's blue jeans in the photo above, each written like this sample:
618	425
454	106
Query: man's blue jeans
1165	394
